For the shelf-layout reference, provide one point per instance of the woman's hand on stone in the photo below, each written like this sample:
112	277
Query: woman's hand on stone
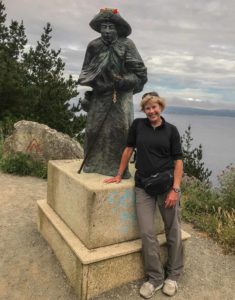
116	179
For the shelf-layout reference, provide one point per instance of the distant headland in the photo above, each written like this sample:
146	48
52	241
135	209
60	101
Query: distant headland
198	111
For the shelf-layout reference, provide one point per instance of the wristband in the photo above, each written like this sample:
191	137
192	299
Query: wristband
119	174
176	190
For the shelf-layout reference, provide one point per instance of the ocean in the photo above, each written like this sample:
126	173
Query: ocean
216	134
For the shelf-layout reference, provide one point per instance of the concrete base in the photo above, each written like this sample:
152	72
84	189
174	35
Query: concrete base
94	271
100	214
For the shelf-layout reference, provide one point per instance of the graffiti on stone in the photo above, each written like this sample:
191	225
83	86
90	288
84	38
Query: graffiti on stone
34	147
123	205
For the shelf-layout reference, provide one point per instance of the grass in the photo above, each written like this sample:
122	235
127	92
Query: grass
24	165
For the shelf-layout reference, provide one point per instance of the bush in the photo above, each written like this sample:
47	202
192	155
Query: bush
227	187
227	233
198	196
23	164
212	210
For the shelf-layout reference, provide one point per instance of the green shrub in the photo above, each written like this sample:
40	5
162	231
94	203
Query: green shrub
23	164
227	187
227	233
198	196
212	210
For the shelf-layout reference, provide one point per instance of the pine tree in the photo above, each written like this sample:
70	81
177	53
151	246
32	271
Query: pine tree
49	90
32	83
3	28
193	164
12	43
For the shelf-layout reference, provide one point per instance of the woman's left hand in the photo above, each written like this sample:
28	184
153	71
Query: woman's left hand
171	199
116	179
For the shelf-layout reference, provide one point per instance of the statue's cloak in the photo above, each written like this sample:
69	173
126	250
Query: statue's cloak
103	63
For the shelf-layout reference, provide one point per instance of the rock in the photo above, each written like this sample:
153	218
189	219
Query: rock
41	140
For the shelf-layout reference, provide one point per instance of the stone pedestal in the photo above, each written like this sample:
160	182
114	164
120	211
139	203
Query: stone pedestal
91	227
100	214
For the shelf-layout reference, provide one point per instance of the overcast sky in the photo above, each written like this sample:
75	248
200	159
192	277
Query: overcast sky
188	46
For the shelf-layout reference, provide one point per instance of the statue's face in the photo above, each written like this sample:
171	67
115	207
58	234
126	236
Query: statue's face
108	32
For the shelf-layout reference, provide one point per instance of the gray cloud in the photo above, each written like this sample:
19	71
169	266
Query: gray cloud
188	46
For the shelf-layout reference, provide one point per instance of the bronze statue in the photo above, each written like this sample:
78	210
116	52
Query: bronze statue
115	70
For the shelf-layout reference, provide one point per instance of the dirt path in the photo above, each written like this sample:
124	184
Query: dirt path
29	269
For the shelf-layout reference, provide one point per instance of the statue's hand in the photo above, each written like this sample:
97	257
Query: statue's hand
85	102
125	83
103	86
119	84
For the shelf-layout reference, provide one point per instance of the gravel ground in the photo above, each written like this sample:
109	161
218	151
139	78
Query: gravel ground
29	269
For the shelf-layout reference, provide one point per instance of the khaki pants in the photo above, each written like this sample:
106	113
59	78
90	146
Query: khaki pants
145	209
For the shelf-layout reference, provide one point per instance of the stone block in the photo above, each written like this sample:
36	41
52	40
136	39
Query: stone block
99	214
41	141
92	272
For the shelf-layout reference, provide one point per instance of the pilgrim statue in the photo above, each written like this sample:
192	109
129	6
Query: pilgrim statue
115	71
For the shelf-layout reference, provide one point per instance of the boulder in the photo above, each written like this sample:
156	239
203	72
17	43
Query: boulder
42	141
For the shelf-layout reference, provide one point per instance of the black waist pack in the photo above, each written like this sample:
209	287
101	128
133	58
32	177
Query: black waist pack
158	183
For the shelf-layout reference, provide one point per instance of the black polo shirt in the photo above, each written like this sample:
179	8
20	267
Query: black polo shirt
157	148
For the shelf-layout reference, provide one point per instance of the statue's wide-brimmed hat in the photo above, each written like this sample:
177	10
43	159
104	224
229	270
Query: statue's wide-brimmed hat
113	16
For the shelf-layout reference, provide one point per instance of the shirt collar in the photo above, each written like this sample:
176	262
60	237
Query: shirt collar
147	122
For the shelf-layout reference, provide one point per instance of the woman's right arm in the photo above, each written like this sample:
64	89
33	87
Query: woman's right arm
126	155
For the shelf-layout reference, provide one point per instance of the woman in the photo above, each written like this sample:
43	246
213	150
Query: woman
158	149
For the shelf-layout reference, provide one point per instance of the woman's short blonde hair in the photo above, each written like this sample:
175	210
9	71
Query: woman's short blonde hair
152	97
